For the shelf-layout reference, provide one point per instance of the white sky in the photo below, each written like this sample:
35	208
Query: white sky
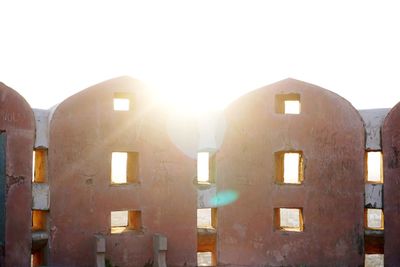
207	52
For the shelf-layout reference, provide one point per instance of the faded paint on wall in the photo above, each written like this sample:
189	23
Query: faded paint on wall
391	159
84	131
18	123
330	133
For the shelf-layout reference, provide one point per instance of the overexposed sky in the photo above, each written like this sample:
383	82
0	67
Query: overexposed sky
202	53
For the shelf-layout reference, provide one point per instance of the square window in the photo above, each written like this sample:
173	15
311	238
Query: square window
289	219
124	167
287	103
122	101
205	167
374	168
289	167
125	220
292	107
207	218
374	219
205	259
374	260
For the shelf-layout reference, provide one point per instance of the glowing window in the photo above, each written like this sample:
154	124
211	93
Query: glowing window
289	167
122	101
39	220
206	218
125	220
292	107
289	219
39	162
374	167
287	103
204	259
124	167
205	167
375	219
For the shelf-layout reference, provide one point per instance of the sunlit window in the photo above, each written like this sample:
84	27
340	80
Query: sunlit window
206	218
292	107
119	218
289	219
124	167
288	103
122	101
121	104
125	220
204	259
203	167
375	219
39	162
118	167
374	167
289	167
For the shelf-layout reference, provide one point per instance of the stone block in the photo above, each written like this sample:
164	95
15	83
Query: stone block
205	193
159	242
374	196
100	244
40	196
42	122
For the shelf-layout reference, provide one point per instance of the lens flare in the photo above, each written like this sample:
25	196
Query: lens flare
224	198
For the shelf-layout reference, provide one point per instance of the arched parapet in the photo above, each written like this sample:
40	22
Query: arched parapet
17	134
157	192
324	135
391	176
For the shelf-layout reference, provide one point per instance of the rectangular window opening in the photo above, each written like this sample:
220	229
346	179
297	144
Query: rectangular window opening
207	218
287	103
374	219
289	219
39	220
205	167
124	167
205	259
122	101
39	163
37	258
126	220
374	167
374	260
289	167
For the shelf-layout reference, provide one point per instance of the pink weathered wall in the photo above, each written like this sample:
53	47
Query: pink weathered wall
84	131
391	161
17	120
330	133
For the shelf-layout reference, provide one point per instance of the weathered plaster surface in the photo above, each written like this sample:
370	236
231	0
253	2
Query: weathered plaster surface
330	133
391	156
84	132
17	120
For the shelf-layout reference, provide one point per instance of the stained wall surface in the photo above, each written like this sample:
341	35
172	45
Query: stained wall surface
330	133
84	131
17	127
391	161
